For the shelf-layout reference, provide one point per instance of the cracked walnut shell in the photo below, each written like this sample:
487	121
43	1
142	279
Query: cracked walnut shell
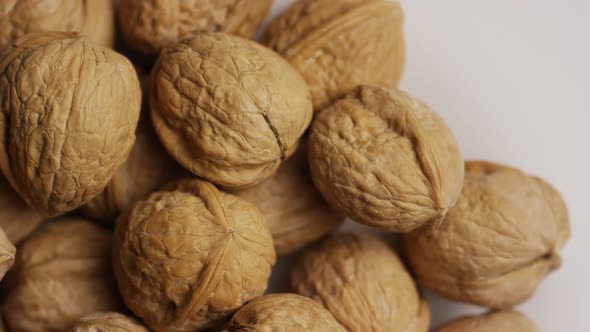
187	257
7	253
62	272
385	159
228	109
283	313
107	322
338	45
512	321
68	118
497	243
16	218
150	26
360	279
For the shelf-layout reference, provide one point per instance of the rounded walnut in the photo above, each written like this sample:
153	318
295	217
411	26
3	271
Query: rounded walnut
338	45
295	212
363	283
491	322
385	159
228	109
16	218
7	253
187	257
150	26
94	19
497	243
107	322
62	272
283	313
70	109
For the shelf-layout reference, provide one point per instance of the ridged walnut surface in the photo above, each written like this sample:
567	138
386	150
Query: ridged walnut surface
499	241
189	256
62	272
94	19
338	45
16	218
283	313
149	26
69	110
295	212
363	283
107	322
7	253
512	321
385	159
228	109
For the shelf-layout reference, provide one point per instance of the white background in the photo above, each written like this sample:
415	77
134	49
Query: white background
512	79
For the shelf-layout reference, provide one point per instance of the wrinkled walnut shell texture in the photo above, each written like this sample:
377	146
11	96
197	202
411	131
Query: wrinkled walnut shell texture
283	312
186	258
497	243
7	253
234	111
62	272
107	322
338	45
16	218
512	321
385	159
363	283
69	114
150	26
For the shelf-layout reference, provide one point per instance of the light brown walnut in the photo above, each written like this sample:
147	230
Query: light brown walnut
497	243
7	254
512	321
107	322
16	218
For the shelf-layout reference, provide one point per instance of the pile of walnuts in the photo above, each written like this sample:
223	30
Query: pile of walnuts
153	191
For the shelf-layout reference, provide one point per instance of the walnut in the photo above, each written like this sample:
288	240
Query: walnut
362	282
62	272
16	218
107	322
491	322
94	19
69	114
7	252
228	109
338	45
295	212
150	26
283	312
187	257
497	243
385	159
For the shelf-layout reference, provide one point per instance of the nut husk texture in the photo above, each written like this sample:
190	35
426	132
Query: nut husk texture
7	253
107	322
234	111
363	283
16	218
512	321
497	243
187	257
385	159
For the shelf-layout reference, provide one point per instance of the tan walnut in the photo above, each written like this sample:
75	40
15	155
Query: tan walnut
363	283
62	272
295	212
491	322
497	243
107	322
94	19
150	26
16	218
283	313
338	45
7	253
187	257
70	109
229	110
385	159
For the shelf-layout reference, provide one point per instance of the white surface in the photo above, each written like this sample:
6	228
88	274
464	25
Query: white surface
512	79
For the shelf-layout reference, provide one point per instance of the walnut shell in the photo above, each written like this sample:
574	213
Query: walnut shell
228	109
295	212
16	218
69	114
363	283
62	272
338	45
496	244
283	313
385	159
189	256
150	26
107	322
94	19
7	253
512	321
